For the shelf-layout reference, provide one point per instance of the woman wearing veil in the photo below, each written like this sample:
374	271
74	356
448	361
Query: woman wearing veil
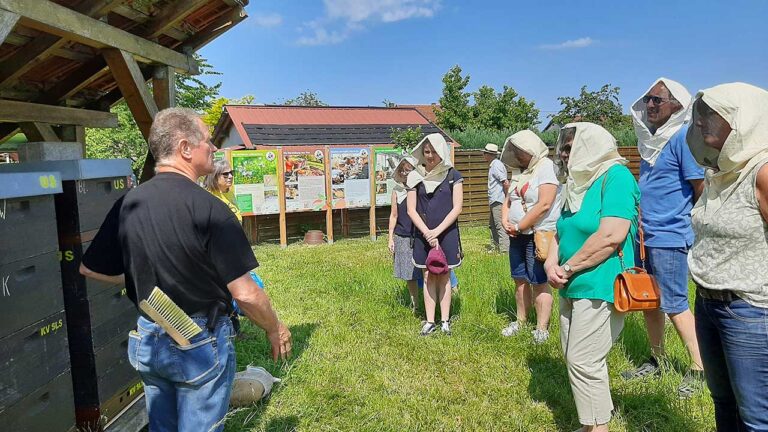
729	257
434	203
599	218
532	204
401	229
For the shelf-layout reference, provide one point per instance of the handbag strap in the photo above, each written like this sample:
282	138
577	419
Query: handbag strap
639	232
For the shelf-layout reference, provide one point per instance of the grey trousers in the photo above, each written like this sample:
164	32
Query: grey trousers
588	328
499	237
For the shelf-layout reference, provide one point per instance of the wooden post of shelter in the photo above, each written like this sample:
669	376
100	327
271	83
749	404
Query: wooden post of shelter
372	211
328	196
281	197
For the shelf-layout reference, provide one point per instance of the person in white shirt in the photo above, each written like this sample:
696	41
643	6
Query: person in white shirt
532	204
497	189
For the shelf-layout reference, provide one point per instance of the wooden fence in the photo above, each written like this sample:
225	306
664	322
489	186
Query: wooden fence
474	169
355	222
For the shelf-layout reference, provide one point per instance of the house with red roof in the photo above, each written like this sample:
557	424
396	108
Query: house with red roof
264	126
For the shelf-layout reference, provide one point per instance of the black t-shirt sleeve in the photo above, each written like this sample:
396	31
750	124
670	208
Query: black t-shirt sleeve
228	247
105	254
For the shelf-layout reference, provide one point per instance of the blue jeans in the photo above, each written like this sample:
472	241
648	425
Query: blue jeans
733	339
186	388
670	267
522	260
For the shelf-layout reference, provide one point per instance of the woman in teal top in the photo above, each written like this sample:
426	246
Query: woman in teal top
599	216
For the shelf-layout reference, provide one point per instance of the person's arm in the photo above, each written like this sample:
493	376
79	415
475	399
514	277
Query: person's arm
505	185
555	274
505	214
761	191
600	245
417	221
114	280
103	261
392	223
547	194
698	188
450	218
255	304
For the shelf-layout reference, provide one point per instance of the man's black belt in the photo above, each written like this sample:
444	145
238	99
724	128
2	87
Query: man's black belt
726	296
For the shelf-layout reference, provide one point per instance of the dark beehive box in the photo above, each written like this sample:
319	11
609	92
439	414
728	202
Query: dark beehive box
30	280
49	409
30	289
31	357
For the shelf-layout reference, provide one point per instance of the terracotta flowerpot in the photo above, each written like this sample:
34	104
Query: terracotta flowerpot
314	237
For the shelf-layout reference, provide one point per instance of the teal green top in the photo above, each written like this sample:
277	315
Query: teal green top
619	198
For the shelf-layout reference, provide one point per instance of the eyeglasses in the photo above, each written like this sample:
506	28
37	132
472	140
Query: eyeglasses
656	99
227	173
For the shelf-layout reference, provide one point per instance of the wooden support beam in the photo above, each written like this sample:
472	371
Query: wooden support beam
133	87
75	81
7	21
50	17
17	112
45	45
132	84
214	29
170	16
71	133
164	87
39	132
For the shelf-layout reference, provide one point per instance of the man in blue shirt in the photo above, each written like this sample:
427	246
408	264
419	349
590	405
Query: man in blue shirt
497	190
670	183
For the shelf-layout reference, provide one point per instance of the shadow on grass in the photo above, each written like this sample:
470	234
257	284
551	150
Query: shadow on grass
283	424
254	349
656	410
549	384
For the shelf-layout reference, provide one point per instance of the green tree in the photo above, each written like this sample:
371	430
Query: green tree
388	103
193	93
406	139
124	141
601	107
307	98
212	114
454	112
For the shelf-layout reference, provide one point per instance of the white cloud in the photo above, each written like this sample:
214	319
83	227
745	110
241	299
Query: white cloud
266	20
345	17
570	44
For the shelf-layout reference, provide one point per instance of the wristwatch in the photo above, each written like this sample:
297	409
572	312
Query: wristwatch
517	227
567	268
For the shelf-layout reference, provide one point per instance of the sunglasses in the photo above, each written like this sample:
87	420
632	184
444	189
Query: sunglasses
656	100
227	173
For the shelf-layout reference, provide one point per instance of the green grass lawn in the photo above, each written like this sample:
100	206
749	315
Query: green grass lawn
359	364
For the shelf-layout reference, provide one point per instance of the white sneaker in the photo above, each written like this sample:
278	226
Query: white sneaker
540	336
512	329
446	327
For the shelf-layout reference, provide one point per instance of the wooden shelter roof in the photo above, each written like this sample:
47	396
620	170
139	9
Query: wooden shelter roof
58	53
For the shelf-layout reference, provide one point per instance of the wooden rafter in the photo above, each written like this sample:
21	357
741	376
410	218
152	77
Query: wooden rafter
164	87
46	45
170	16
18	112
215	29
53	18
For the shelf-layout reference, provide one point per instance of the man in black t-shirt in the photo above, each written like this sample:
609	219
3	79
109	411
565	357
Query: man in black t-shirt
172	234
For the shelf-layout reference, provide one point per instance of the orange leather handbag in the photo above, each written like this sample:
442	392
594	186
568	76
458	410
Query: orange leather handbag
634	289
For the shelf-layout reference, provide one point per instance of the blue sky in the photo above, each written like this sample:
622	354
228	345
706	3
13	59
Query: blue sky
360	52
